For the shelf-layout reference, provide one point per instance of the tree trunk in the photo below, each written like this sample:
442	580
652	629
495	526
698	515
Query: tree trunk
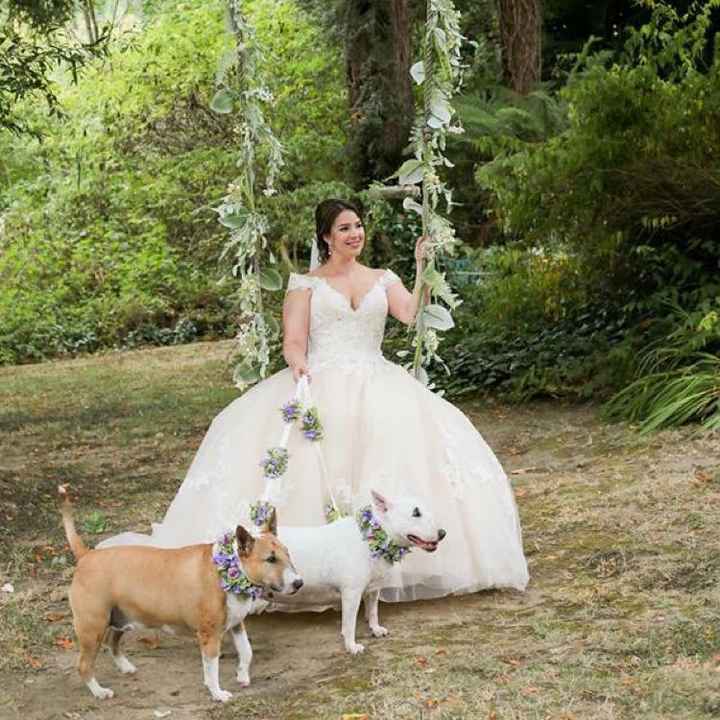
377	55
521	35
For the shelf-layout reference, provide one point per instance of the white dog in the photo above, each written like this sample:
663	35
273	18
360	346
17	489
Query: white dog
351	557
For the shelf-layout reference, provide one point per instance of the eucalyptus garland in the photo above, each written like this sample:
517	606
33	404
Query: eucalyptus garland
241	92
440	74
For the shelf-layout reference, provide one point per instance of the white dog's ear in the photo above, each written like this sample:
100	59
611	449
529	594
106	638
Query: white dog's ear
270	524
245	540
379	501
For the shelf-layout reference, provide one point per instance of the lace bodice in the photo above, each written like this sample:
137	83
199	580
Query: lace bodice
340	335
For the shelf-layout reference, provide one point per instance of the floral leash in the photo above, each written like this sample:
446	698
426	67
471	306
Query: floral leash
298	411
275	465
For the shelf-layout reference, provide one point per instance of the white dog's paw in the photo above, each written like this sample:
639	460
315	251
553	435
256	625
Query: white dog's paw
379	631
98	691
221	695
243	678
354	648
124	665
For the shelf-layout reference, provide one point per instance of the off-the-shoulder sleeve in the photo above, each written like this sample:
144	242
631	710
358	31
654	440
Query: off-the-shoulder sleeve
300	282
389	278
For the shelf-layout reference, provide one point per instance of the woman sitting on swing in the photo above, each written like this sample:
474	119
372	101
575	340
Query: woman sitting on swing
383	430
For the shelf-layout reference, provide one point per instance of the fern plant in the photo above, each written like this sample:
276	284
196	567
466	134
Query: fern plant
678	378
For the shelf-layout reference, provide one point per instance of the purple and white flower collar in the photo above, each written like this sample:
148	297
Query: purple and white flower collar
232	576
377	538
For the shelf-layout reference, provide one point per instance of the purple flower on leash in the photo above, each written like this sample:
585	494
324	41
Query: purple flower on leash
311	426
275	463
291	411
260	512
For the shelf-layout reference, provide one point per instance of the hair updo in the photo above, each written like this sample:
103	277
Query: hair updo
325	215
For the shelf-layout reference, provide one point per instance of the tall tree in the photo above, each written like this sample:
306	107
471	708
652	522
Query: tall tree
520	35
378	55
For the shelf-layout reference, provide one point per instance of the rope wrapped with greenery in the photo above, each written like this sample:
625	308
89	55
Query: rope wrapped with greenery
241	91
440	74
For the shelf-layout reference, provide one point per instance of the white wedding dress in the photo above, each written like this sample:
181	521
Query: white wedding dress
383	430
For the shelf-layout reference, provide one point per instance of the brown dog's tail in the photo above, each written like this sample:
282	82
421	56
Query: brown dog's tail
76	544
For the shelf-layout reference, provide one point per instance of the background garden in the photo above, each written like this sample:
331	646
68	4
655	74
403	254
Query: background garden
587	196
586	182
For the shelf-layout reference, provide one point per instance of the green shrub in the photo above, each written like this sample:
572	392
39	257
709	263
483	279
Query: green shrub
678	377
108	237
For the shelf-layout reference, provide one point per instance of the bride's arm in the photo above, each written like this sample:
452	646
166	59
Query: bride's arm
296	327
402	304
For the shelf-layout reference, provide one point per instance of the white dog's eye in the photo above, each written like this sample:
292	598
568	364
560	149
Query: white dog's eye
417	513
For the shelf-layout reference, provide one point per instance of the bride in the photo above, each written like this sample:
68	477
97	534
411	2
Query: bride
383	430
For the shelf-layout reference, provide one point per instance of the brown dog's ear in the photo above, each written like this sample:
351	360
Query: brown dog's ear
270	524
245	540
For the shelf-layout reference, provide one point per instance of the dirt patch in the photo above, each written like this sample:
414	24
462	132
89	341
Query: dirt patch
620	619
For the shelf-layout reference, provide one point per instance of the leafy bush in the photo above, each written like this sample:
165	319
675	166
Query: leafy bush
635	172
629	191
527	328
678	378
107	235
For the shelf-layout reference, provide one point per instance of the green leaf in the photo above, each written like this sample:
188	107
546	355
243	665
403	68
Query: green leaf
245	374
410	204
273	326
437	317
410	172
439	286
417	72
234	220
422	376
270	279
440	111
223	102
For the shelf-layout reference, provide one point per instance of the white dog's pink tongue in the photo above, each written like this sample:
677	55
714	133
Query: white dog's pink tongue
430	546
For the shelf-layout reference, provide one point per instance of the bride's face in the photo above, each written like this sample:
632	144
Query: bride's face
347	237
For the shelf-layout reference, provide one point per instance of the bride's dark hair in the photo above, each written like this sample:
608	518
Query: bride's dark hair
325	214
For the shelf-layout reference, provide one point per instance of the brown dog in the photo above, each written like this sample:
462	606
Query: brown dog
117	589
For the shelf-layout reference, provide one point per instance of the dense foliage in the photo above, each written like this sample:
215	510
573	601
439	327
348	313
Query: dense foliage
586	207
108	233
627	195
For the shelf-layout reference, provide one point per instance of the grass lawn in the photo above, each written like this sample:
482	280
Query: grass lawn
621	619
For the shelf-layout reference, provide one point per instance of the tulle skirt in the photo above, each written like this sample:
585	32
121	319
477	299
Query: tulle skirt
383	430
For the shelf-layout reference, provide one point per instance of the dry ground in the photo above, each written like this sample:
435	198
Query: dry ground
620	619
